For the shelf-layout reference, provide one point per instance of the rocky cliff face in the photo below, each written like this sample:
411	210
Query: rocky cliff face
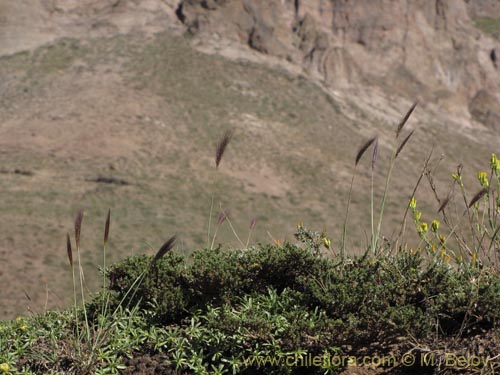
426	49
27	24
414	48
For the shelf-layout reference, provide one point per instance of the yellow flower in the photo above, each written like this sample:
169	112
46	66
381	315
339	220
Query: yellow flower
494	163
23	327
474	257
327	242
457	177
423	228
418	215
4	367
483	179
434	226
413	203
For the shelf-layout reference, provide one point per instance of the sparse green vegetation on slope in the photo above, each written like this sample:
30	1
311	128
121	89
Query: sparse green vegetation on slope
281	308
230	310
489	25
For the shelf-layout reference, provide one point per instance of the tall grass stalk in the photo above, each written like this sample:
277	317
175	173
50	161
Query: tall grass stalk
104	246
222	217
210	217
235	233
359	155
415	188
389	173
253	223
164	249
374	160
78	228
220	149
75	302
344	229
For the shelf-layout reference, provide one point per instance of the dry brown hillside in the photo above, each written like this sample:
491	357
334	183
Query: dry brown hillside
119	103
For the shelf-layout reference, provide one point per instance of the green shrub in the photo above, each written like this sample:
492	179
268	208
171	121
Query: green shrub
159	287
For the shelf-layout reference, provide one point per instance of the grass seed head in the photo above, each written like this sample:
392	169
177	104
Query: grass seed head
405	119
253	223
78	228
477	197
167	246
106	227
221	147
363	149
69	251
375	153
222	217
403	144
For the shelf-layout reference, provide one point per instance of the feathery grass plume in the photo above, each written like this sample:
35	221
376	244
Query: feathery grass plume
78	228
444	204
375	153
69	251
106	227
403	144
405	119
477	197
167	246
221	147
363	149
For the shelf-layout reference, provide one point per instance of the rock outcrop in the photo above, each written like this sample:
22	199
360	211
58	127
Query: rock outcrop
426	49
415	48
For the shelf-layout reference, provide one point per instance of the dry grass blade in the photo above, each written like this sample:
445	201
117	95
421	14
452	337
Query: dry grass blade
444	204
69	251
167	246
477	197
403	144
221	147
363	149
405	119
78	227
106	227
375	153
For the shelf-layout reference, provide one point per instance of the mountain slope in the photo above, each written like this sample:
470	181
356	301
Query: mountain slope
128	119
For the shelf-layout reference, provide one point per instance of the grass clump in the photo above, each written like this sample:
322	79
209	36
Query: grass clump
488	25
